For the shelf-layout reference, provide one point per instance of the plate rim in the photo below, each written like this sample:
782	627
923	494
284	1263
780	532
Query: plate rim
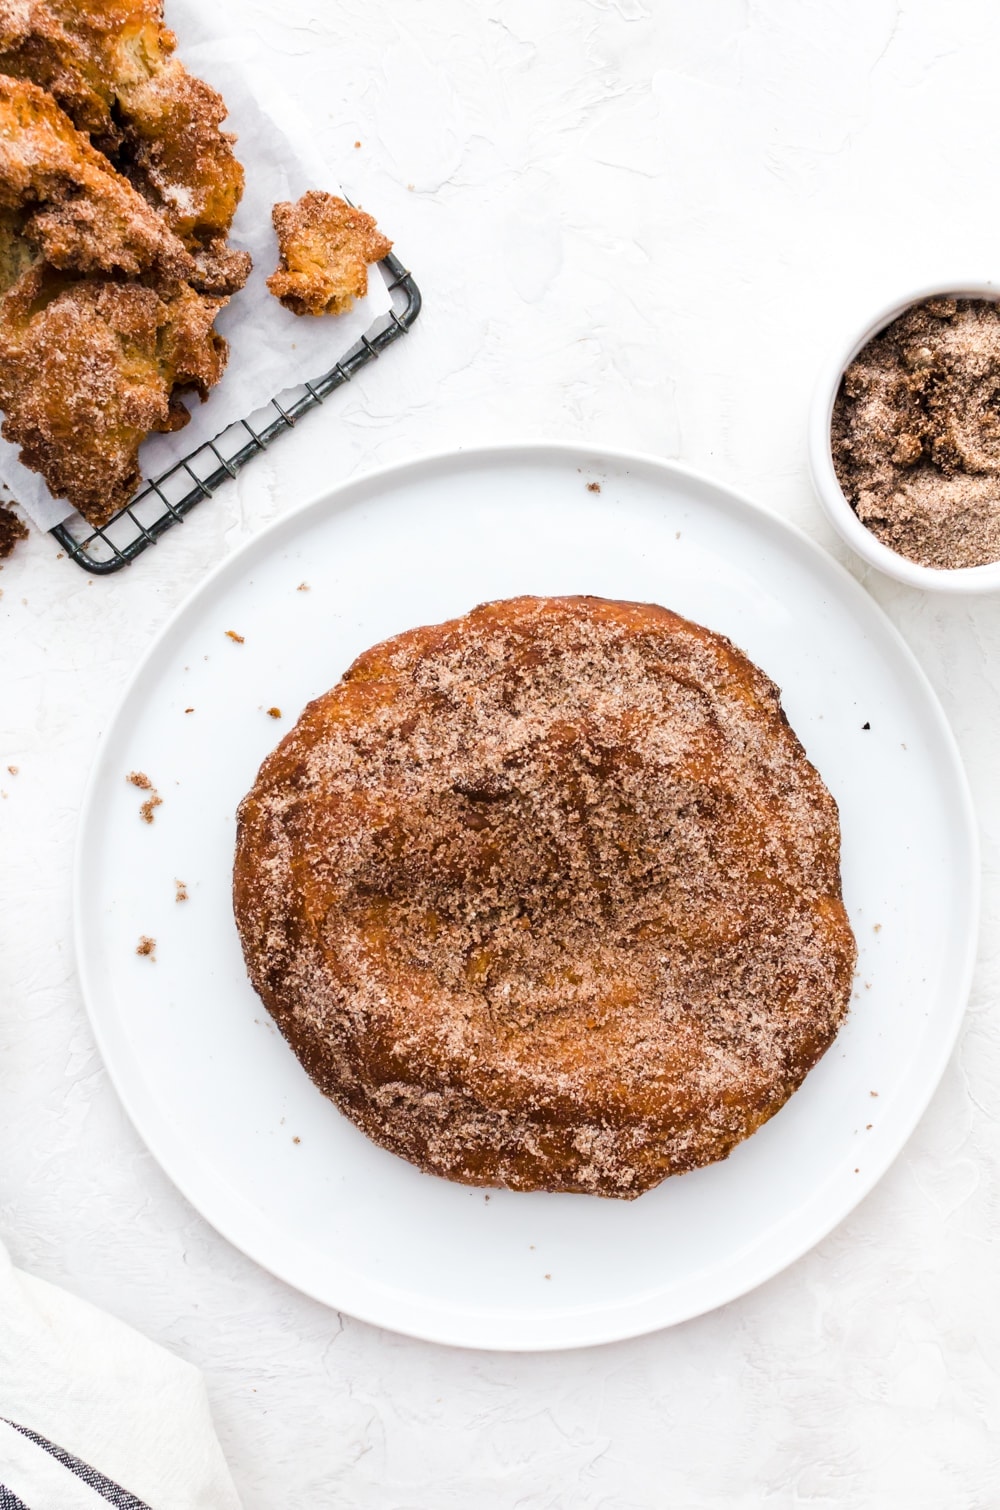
596	1326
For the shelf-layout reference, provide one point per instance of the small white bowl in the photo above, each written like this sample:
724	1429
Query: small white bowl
967	579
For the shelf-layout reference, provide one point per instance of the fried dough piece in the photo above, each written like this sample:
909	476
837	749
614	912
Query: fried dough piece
78	211
109	64
12	531
325	246
89	368
220	268
177	154
548	896
192	354
91	364
35	45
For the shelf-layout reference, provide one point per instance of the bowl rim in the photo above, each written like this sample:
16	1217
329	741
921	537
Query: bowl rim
959	579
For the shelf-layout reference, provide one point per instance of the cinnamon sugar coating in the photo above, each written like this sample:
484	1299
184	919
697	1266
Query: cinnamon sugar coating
548	897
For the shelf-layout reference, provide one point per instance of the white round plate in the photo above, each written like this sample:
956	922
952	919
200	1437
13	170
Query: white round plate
212	1087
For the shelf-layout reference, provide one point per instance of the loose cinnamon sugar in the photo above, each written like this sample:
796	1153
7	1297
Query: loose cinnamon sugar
916	433
146	946
141	780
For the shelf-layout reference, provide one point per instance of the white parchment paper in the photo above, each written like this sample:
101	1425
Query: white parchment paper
270	350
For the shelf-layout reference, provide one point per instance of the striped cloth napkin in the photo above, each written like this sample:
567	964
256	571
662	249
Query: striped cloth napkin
92	1414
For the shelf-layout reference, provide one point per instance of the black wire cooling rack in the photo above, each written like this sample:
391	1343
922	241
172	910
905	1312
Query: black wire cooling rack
164	502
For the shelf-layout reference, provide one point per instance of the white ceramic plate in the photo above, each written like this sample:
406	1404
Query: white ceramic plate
220	1099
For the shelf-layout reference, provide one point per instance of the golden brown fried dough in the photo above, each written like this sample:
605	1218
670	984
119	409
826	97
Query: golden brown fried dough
89	367
76	209
117	191
548	896
35	45
110	66
326	246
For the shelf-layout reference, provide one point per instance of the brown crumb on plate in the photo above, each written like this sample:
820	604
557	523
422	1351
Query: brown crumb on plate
146	946
141	780
188	710
593	487
146	810
274	712
237	639
325	248
181	894
13	769
303	587
296	1140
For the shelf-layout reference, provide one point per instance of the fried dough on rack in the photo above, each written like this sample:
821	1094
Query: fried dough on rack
110	65
76	209
35	45
325	246
89	367
117	193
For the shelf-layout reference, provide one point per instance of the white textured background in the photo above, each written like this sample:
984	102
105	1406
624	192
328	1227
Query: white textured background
639	223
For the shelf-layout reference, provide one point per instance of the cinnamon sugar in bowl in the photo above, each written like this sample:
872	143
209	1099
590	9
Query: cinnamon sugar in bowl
904	439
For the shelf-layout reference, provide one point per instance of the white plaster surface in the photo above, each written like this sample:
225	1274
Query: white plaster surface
639	223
